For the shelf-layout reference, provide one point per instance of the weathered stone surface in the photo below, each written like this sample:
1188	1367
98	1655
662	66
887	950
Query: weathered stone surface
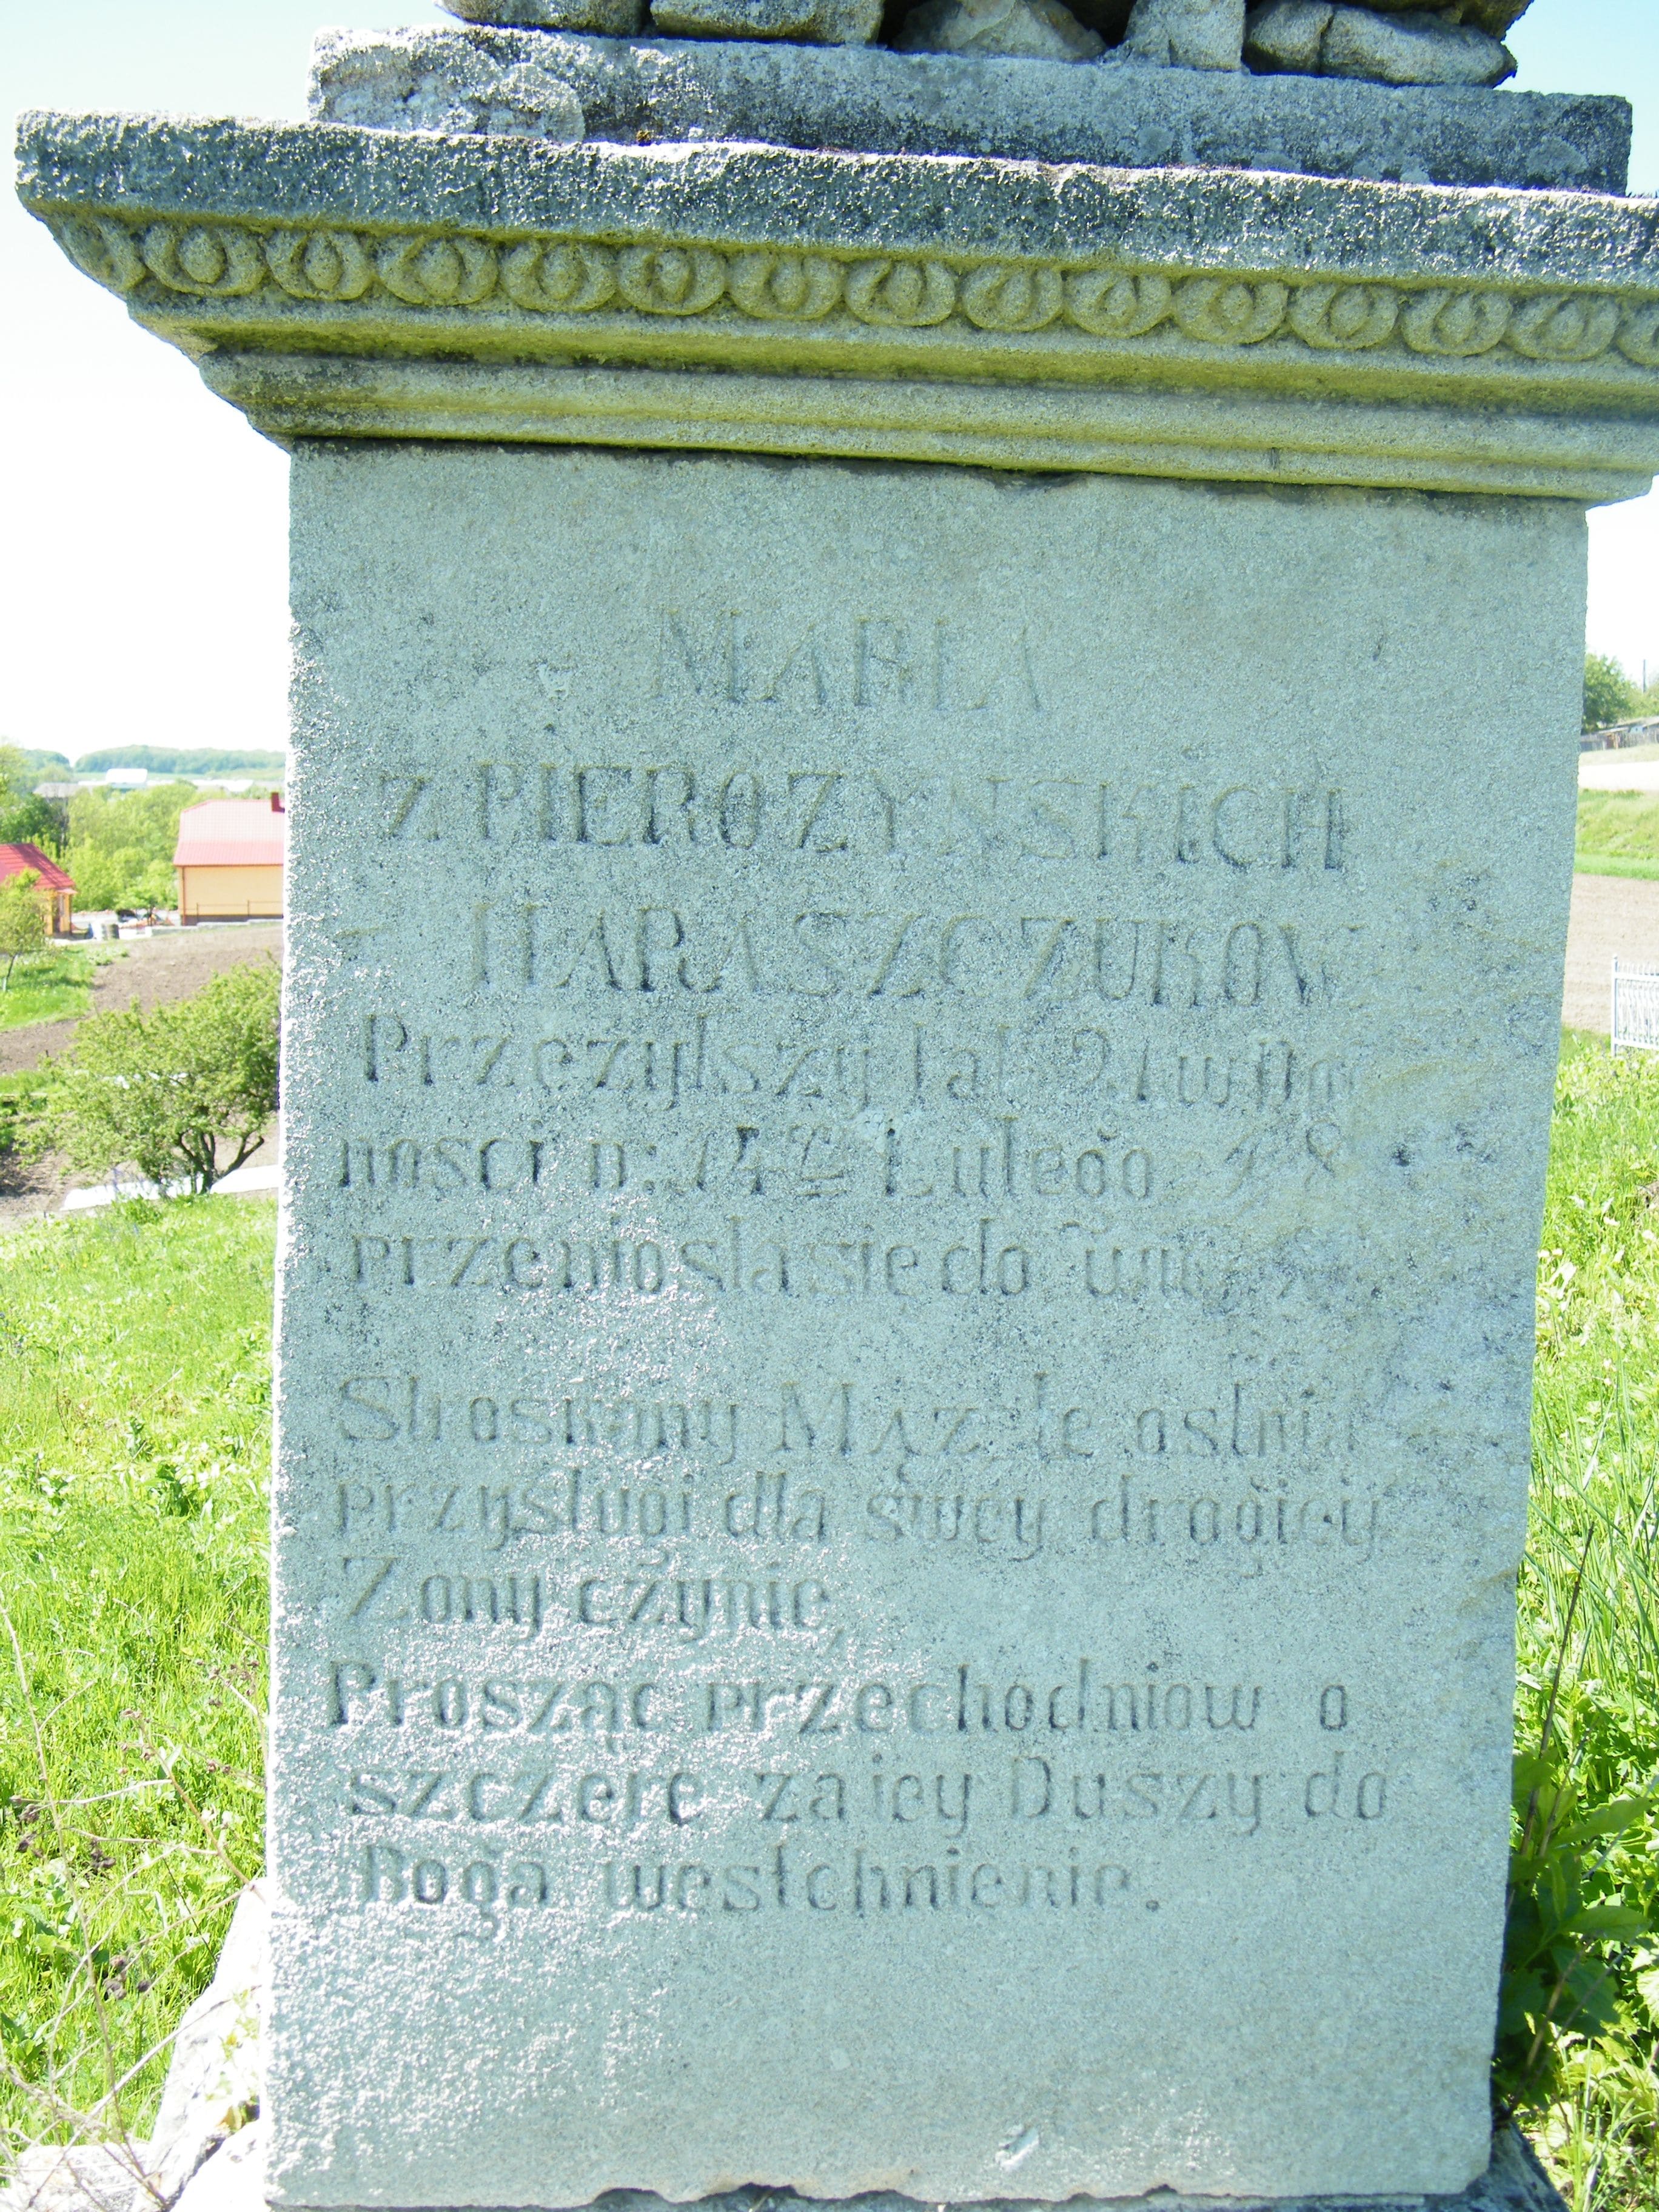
887	306
836	1452
614	18
1110	17
866	97
1203	35
1411	50
526	99
1044	28
1317	37
1492	16
113	2177
233	2179
813	22
1287	34
214	2081
911	1206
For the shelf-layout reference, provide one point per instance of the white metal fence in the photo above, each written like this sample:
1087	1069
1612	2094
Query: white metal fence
1635	1007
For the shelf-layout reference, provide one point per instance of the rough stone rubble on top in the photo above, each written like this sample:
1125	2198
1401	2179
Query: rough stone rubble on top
1387	41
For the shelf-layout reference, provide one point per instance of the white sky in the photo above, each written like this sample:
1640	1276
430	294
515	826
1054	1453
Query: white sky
141	551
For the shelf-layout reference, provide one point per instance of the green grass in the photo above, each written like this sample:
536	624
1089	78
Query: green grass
134	1389
56	987
1583	2004
134	1447
1606	864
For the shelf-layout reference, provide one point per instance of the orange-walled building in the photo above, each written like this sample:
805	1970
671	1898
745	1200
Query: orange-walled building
230	857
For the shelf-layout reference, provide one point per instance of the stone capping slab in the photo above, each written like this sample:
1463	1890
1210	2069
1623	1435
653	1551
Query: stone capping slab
259	240
1118	111
1229	220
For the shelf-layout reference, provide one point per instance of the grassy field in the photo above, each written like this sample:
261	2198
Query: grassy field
134	1449
1605	864
55	987
1621	825
1582	1989
133	1384
1618	834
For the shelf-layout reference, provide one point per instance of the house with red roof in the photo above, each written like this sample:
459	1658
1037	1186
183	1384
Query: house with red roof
55	888
229	857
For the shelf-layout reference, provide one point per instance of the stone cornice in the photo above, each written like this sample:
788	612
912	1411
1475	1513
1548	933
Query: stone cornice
339	281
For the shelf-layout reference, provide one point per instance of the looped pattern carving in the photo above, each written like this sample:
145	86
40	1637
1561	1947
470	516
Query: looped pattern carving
1638	336
1227	310
208	259
319	265
908	294
1013	298
566	280
1459	323
1110	304
1352	318
800	288
670	280
437	272
103	251
1563	328
567	277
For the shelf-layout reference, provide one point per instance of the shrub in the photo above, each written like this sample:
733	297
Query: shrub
166	1093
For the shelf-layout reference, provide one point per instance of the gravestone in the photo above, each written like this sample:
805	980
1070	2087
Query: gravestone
932	824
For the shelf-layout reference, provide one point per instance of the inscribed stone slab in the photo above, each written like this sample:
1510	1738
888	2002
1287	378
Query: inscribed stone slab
916	1107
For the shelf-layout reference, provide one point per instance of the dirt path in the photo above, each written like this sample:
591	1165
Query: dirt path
1610	914
152	971
156	971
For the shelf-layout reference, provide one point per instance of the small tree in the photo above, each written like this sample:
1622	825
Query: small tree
167	1092
22	921
1609	694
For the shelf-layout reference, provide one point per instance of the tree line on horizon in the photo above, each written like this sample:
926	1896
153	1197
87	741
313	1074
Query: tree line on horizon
35	766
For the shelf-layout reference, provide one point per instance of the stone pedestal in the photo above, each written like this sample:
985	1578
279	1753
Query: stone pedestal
932	814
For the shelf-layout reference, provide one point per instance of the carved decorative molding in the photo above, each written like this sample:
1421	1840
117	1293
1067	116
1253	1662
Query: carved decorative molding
340	282
431	269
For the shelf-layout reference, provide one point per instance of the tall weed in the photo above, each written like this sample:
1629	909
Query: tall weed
1579	2023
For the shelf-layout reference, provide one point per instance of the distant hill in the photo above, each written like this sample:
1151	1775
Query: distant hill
197	760
41	764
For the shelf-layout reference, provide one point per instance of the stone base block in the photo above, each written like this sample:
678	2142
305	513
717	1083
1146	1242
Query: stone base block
98	2178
